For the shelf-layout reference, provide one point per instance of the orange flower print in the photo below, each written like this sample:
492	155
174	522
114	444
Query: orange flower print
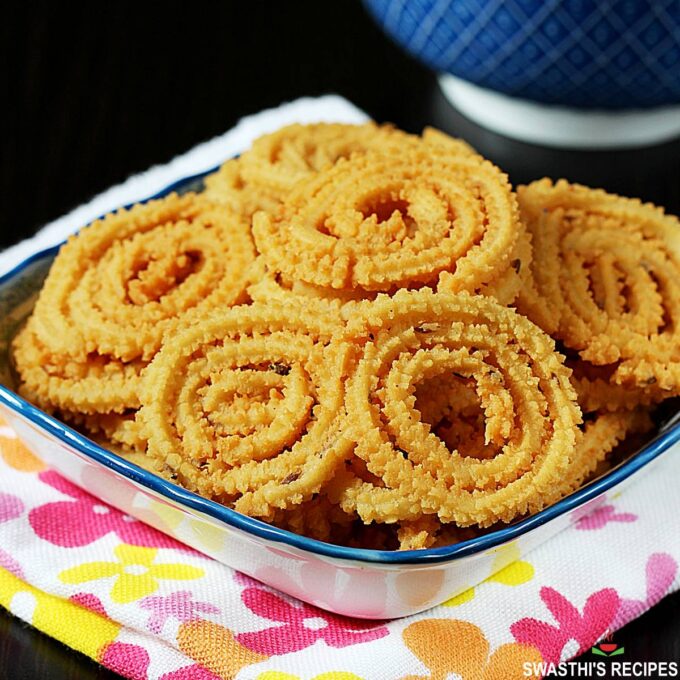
449	647
15	453
215	648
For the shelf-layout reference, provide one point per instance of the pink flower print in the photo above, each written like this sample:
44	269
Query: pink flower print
193	672
661	571
176	605
601	516
11	565
82	519
11	507
89	601
130	661
598	615
302	626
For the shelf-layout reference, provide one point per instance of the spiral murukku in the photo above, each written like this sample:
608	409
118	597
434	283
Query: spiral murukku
264	174
58	381
606	281
246	406
322	339
379	222
521	384
125	281
603	432
271	288
228	187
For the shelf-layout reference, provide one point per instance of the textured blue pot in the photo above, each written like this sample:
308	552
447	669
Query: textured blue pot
614	54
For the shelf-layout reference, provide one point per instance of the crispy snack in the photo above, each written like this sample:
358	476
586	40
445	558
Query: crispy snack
112	293
247	406
377	222
228	187
262	177
56	381
123	282
604	431
271	288
606	282
530	413
322	339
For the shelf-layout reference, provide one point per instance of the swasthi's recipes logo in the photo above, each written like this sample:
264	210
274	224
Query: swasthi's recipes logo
607	649
617	668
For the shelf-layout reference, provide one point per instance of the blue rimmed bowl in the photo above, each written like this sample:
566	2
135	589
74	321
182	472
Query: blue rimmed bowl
356	582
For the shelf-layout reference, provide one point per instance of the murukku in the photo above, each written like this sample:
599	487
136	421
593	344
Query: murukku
602	433
58	381
530	414
123	282
322	339
271	288
228	187
264	174
606	281
246	406
378	222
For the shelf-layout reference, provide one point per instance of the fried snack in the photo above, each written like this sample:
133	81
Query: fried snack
228	187
530	414
271	288
246	407
378	222
262	177
58	382
112	293
597	390
125	281
322	339
606	282
604	431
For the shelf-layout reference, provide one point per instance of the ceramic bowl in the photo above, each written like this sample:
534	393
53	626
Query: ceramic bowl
566	73
370	584
615	54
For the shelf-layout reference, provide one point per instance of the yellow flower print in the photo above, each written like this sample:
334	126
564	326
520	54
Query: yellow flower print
514	573
75	626
137	575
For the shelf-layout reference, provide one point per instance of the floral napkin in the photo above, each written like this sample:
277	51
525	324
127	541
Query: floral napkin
146	606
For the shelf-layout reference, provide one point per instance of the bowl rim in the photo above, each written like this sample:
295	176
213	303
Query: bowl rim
172	492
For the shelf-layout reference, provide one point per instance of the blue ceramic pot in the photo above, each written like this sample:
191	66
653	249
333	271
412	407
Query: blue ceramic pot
612	54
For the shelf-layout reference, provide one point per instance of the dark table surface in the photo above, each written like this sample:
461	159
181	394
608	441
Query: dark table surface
92	98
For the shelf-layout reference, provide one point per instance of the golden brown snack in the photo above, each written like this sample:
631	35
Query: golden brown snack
124	281
57	381
247	406
112	292
318	383
377	222
271	288
604	431
264	174
606	282
228	187
530	413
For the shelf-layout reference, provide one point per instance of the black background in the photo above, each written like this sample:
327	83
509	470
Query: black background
93	97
